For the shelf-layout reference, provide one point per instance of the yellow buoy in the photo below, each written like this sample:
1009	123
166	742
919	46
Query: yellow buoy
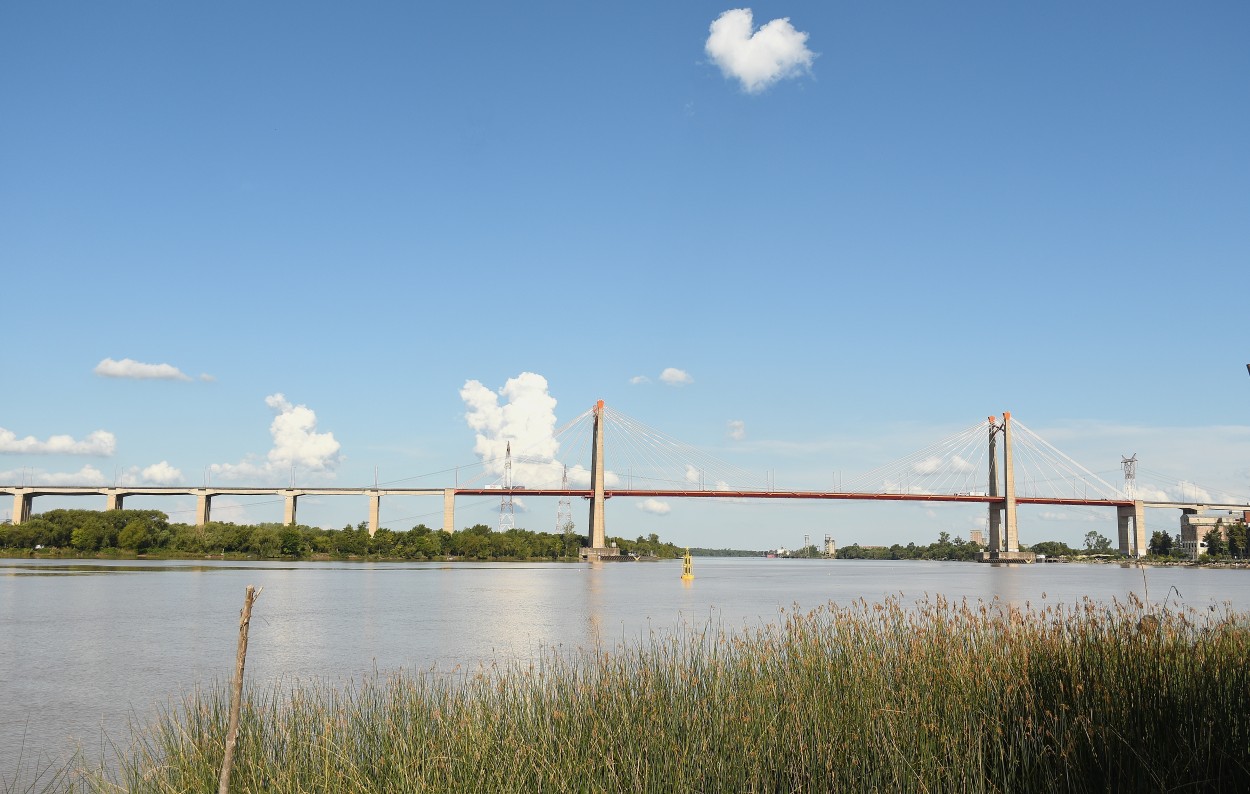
687	568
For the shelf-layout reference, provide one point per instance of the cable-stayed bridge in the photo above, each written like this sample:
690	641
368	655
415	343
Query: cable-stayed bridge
999	463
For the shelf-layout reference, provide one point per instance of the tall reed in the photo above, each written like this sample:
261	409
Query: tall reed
861	697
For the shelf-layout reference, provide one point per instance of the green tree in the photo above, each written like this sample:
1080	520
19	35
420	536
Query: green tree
1052	548
136	535
1237	540
1096	543
1216	546
93	534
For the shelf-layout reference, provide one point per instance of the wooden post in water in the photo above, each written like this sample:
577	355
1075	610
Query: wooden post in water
236	688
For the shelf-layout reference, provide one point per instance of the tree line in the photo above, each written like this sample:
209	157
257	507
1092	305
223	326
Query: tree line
148	532
960	550
945	548
1223	543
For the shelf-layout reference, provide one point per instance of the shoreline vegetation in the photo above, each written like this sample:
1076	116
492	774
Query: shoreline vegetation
939	696
130	534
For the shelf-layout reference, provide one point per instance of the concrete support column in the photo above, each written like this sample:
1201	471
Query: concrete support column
203	506
995	508
22	503
449	510
1010	529
288	514
375	508
598	534
113	499
1132	542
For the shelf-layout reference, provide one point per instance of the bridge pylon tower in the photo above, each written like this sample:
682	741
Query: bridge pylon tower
596	534
1004	545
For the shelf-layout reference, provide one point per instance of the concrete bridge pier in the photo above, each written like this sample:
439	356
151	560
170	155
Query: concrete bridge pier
449	510
203	506
113	499
1132	543
288	514
22	501
375	510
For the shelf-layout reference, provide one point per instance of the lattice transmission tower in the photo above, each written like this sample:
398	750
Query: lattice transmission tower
1130	476
507	515
564	512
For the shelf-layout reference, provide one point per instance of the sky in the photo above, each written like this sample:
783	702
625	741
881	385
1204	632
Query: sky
336	244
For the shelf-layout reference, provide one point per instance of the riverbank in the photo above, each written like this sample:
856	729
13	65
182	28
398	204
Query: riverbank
868	697
123	554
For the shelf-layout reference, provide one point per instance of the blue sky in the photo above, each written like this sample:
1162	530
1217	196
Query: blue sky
935	212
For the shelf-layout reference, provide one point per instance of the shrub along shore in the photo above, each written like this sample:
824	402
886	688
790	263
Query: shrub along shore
866	697
131	533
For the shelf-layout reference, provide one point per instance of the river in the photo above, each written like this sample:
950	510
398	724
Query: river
86	645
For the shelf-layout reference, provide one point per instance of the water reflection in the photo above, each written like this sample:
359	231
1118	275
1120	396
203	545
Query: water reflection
82	649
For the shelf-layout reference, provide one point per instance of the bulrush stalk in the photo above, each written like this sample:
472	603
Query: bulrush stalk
934	696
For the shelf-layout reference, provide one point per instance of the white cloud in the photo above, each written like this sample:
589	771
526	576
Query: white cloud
757	58
101	442
161	474
935	464
204	376
693	475
737	429
654	506
639	379
526	420
87	475
129	368
295	444
1189	492
676	377
1050	515
1150	493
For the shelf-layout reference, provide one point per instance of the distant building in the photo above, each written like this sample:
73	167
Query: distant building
831	548
977	536
1195	524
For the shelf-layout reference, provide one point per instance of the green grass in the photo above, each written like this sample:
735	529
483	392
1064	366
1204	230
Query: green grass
866	697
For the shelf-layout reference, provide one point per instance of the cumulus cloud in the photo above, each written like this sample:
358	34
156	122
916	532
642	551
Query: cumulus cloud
1050	515
204	376
137	370
737	429
101	442
934	464
928	466
1150	493
296	443
87	475
1189	492
757	58
526	419
161	474
639	379
654	506
693	475
675	377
